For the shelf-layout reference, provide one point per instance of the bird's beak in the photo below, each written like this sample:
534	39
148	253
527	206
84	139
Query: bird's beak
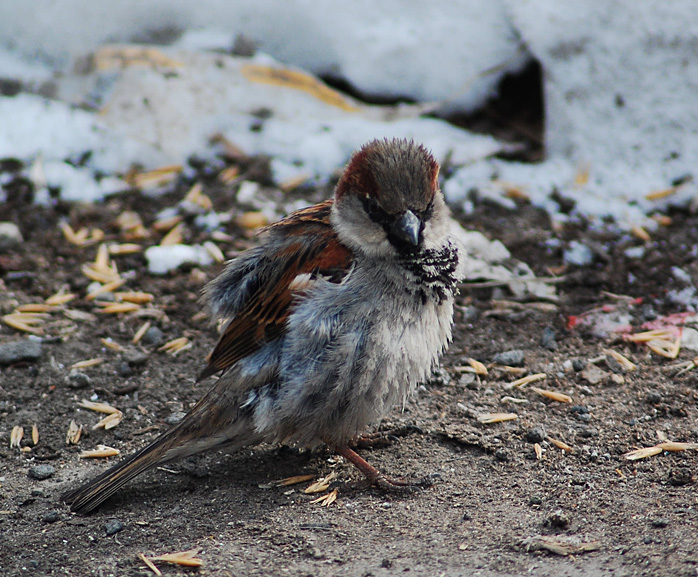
408	228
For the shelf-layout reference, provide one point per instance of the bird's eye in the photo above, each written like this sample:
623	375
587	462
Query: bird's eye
374	210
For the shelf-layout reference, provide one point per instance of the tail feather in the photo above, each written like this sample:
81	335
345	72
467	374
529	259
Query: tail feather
93	493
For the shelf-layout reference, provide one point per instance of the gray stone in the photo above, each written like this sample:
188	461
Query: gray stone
78	380
153	336
41	472
10	236
19	351
113	526
513	358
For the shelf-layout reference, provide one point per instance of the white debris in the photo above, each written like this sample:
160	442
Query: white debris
163	259
578	254
10	236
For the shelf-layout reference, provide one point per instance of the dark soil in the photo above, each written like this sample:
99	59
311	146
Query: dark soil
492	492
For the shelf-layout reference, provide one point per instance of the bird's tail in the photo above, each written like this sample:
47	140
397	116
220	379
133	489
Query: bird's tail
214	422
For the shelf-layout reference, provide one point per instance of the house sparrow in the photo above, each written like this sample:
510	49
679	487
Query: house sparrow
335	317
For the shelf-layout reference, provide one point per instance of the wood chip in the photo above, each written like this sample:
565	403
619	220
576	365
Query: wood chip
559	397
156	178
25	322
674	446
36	308
229	174
527	380
16	436
175	236
538	450
642	453
124	248
214	251
110	421
252	220
477	367
663	193
167	223
150	564
321	484
136	297
327	500
641	233
87	363
101	452
560	544
197	197
665	348
72	437
35	435
489	418
111	345
106	288
287	481
560	445
97	275
624	362
176	346
59	299
140	332
294	182
118	308
98	407
184	558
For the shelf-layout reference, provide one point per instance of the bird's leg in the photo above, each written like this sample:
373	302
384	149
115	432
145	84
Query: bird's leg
377	478
383	438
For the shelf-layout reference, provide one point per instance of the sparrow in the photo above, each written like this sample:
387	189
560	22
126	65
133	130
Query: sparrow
335	317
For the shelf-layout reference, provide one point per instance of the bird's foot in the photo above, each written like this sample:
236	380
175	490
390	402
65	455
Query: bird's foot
375	477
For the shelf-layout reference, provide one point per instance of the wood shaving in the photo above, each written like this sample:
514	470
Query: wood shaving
135	297
118	308
140	332
125	248
176	346
327	500
198	198
59	299
184	558
175	236
101	452
642	453
106	288
559	544
321	484
229	174
156	178
489	418
72	437
98	407
538	450
26	322
559	397
527	380
35	435
16	436
294	182
36	308
674	446
287	481
110	421
87	363
168	223
214	251
624	361
560	445
111	345
641	233
252	220
150	564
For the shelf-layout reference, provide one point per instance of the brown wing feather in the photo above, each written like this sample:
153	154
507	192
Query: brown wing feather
312	248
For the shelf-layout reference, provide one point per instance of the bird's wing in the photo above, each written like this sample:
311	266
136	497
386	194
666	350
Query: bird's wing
299	249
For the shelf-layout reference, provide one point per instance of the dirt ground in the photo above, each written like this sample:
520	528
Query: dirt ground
495	504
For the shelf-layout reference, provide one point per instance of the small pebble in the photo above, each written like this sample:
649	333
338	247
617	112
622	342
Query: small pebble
579	364
19	351
558	520
440	377
51	517
614	366
41	472
136	358
681	476
660	523
113	526
535	500
174	418
10	236
153	336
513	358
535	435
468	380
501	455
547	340
123	369
78	380
653	398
